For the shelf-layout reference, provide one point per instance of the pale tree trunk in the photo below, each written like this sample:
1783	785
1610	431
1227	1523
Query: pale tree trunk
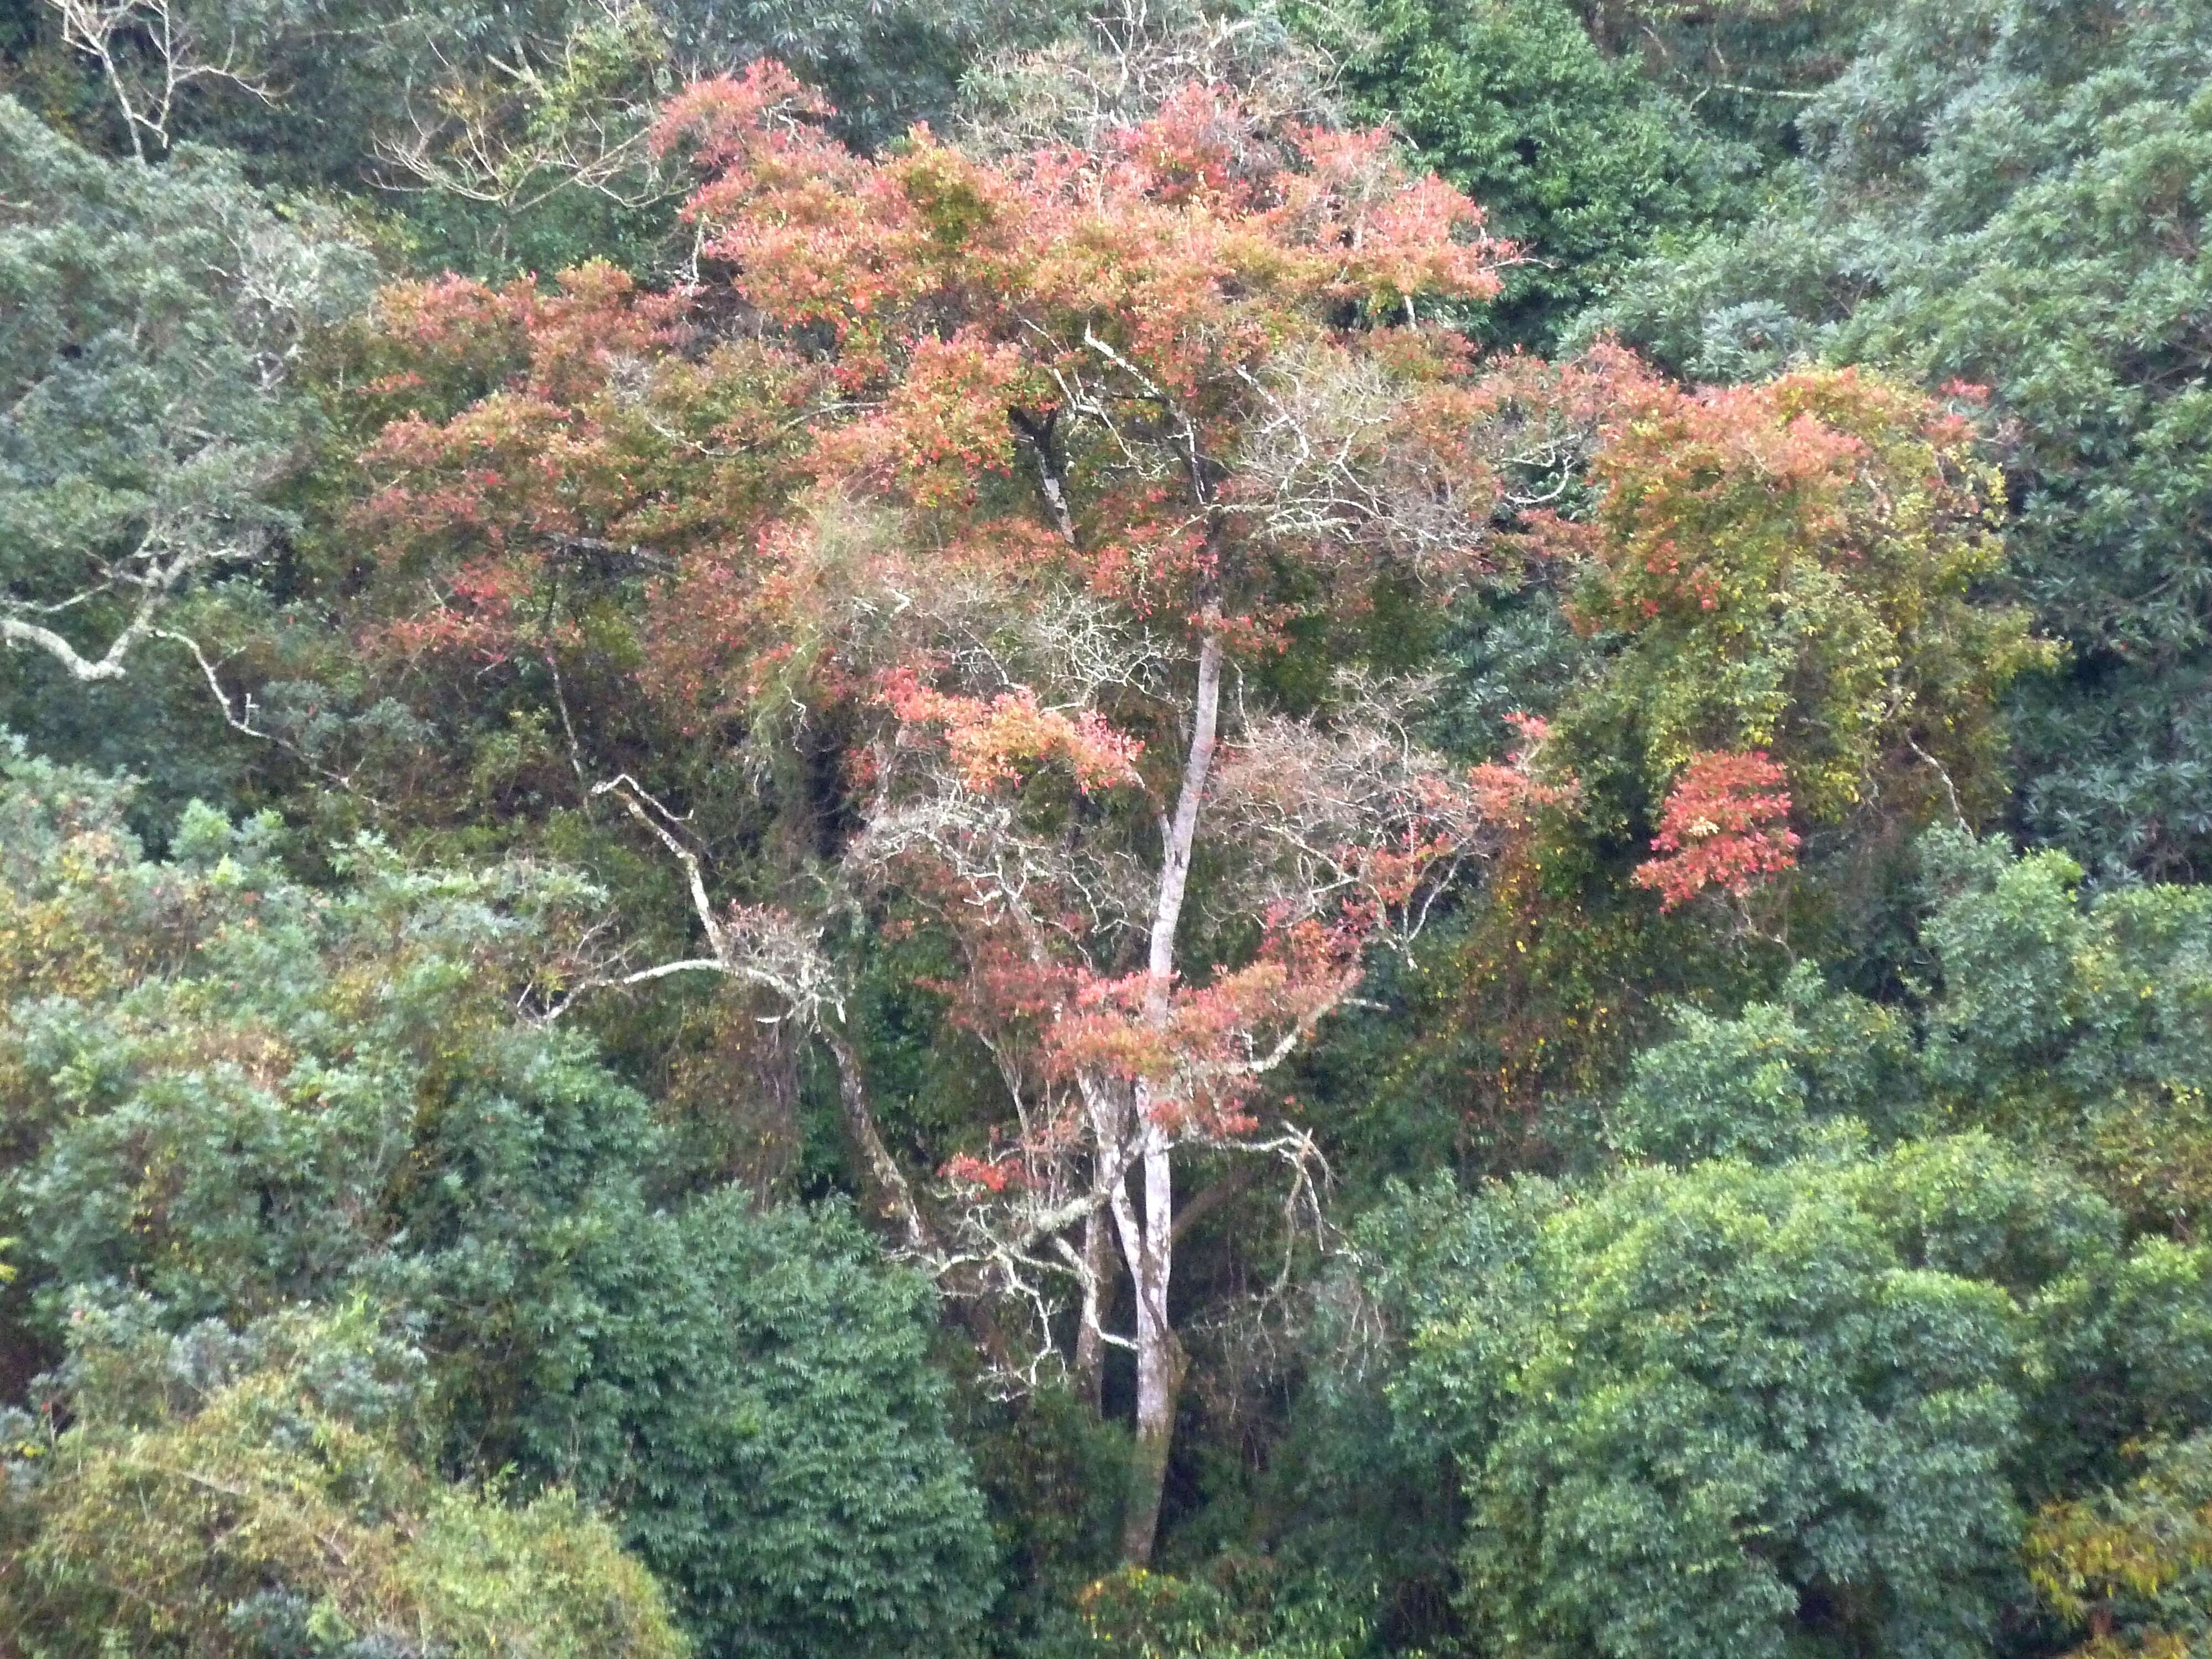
1148	1241
887	1194
1160	1359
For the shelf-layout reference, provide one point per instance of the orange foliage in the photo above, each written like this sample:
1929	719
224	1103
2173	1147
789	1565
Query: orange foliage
1203	1062
1725	825
990	742
919	396
920	330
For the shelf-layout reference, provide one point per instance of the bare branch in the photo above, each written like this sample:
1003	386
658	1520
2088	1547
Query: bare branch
170	56
634	796
553	114
156	570
1125	62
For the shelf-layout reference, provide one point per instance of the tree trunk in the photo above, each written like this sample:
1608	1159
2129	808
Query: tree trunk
882	1181
1179	834
1148	1241
1160	1364
886	1193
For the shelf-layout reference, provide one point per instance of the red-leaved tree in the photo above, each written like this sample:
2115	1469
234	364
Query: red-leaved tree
1104	405
1022	468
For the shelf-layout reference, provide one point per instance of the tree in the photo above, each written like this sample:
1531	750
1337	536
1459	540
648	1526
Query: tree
1165	398
753	1396
1745	1409
153	54
1081	433
1240	1614
1746	67
1791	568
534	152
227	1095
2131	1565
1123	63
1764	1085
2010	196
1579	160
1723	826
232	1092
493	139
2071	1022
1755	622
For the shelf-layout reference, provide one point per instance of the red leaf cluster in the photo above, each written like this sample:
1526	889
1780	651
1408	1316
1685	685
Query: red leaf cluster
1725	825
1508	793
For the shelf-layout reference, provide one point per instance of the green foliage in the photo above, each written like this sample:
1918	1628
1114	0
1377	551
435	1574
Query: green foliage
2081	1021
363	1302
1367	1503
2012	194
1757	1086
2075	1023
884	66
490	139
753	1395
1240	1612
229	1093
150	322
2070	999
2133	1566
234	1092
266	1495
1052	1472
1796	567
1735	580
1137	1615
1745	66
1576	159
1762	1410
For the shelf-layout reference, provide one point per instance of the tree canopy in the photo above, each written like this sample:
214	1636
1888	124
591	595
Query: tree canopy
1161	829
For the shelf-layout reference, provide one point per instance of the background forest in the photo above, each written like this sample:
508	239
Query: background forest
1024	828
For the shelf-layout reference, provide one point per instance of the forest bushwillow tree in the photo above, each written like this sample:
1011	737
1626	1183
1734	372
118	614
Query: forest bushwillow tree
1081	434
1168	353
